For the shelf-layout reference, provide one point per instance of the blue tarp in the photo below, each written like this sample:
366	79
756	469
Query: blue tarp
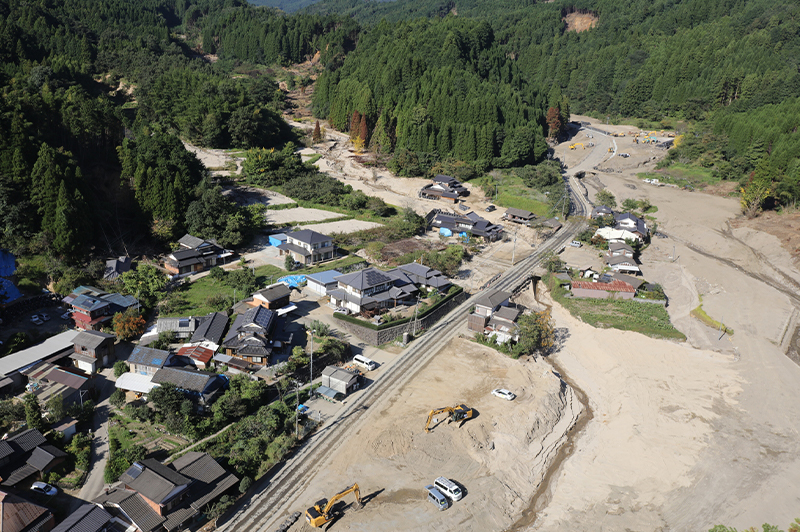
293	281
10	291
7	263
277	240
445	232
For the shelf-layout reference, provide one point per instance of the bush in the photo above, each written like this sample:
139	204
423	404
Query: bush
117	398
245	484
120	367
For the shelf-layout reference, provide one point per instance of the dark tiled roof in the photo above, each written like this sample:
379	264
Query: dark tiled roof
152	479
43	457
256	319
27	440
286	246
18	514
135	507
178	516
87	518
616	246
492	297
5	450
211	328
519	213
309	237
190	241
148	357
19	474
274	292
116	267
365	279
92	338
186	379
507	313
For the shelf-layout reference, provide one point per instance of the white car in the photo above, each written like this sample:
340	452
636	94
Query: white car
36	319
44	317
575	244
44	489
66	316
502	393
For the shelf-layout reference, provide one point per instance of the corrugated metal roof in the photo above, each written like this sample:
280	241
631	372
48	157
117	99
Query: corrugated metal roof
326	277
135	382
26	357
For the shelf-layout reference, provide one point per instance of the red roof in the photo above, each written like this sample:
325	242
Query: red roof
613	286
201	354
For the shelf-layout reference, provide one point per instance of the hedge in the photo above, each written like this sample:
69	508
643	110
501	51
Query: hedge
382	326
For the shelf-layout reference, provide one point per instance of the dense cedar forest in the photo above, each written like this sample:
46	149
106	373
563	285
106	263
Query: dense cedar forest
98	94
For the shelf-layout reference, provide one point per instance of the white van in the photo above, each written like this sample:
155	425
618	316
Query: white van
448	487
436	497
364	362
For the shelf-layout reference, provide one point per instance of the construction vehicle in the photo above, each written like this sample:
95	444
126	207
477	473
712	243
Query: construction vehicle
636	141
590	144
573	146
653	133
457	413
610	149
321	513
671	135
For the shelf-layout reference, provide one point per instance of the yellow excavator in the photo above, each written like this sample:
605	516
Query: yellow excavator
457	413
320	514
573	146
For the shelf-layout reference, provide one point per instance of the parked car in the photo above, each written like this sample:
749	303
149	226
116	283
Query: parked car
502	393
36	319
44	489
66	316
575	244
44	317
463	207
491	208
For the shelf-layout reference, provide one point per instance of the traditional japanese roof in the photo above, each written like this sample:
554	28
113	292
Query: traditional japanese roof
256	319
190	241
211	328
153	479
27	440
92	339
274	292
638	224
615	286
184	378
492	297
116	267
619	246
18	514
134	507
620	259
519	213
633	281
87	518
43	456
506	313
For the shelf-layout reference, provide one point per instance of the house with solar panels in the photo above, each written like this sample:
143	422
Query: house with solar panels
249	337
93	308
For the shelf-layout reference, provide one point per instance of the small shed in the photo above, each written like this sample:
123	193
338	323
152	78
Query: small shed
277	240
136	383
320	283
340	380
67	426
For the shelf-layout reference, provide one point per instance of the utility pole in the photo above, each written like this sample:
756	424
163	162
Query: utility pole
414	321
311	359
514	248
495	193
296	409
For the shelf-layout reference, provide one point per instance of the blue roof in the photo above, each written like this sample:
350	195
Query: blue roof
293	280
89	303
148	356
8	290
326	277
7	263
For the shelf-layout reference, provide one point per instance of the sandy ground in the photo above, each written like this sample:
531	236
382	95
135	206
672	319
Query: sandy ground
344	226
687	436
217	159
246	195
299	215
393	458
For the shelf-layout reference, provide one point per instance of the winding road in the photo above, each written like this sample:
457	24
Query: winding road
265	511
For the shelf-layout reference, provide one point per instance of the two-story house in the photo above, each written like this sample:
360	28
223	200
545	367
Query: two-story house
601	210
153	497
249	336
520	216
485	306
146	361
632	223
93	350
194	255
444	187
369	289
93	309
423	277
308	247
619	249
468	223
27	454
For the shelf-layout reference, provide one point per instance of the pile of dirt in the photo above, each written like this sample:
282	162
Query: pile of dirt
579	22
395	250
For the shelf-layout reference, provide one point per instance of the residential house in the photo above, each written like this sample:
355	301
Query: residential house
116	267
21	515
615	289
249	336
519	216
54	349
635	282
154	497
200	357
93	350
424	277
211	330
89	518
308	247
503	325
273	297
619	249
490	301
146	361
552	223
468	223
93	309
340	380
599	211
182	327
370	289
451	182
632	223
202	387
323	282
444	188
46	380
612	236
623	264
194	255
26	454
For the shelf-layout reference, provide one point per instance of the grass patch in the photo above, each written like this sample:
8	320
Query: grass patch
648	319
512	198
683	175
701	315
334	265
282	206
314	158
31	273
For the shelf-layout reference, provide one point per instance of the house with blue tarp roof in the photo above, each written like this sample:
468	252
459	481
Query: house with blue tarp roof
8	265
146	361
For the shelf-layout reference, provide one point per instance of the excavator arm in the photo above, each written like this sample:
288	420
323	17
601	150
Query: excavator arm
320	514
435	412
335	498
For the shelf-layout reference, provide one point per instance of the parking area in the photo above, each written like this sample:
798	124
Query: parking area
39	329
